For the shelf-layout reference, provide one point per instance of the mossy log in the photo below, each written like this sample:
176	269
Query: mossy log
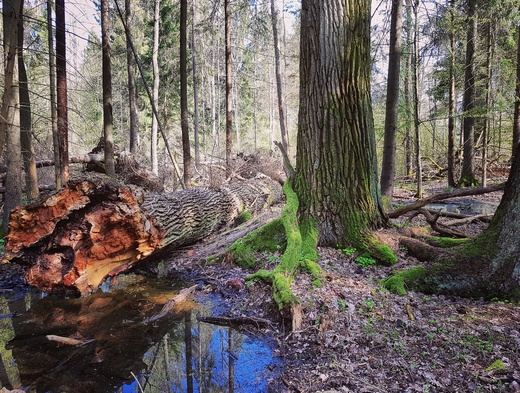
96	227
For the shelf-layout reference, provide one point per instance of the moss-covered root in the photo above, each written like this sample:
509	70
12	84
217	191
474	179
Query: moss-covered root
300	252
378	250
445	242
409	278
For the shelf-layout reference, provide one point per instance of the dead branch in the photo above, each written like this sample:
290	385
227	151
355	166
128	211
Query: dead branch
438	227
234	321
183	296
446	195
467	220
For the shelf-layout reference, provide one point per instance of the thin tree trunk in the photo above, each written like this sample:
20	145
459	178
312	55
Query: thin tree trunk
407	92
52	96
11	109
108	123
61	88
155	89
487	120
150	98
279	85
451	104
29	161
186	151
132	92
468	177
415	81
188	343
392	100
229	90
195	88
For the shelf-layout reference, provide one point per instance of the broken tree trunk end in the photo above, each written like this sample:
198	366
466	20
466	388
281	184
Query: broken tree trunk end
95	227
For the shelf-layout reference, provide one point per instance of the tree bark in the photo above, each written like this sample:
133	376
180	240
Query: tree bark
336	176
95	228
392	100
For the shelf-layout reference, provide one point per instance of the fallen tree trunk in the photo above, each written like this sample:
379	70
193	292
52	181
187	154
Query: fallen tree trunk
445	195
95	227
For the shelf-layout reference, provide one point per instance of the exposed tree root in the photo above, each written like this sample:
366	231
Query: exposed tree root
462	267
300	251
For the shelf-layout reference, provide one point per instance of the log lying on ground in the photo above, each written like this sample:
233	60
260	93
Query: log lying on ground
95	227
445	195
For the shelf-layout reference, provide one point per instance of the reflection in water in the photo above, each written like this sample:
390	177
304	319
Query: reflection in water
174	354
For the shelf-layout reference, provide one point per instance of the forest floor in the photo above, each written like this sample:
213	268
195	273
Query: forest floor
355	335
358	337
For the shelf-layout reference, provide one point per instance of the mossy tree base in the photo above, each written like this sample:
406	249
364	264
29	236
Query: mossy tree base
298	245
474	268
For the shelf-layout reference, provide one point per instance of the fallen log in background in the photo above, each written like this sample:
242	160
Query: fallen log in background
96	227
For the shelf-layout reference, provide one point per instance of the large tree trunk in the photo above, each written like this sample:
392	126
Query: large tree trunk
336	178
94	228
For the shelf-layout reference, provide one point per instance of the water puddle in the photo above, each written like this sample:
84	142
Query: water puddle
114	351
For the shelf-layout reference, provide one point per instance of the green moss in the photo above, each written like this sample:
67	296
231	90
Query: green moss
381	252
269	237
446	242
243	217
283	295
409	278
497	365
469	181
483	245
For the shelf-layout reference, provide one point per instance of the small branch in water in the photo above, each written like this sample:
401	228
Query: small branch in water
182	296
68	340
235	321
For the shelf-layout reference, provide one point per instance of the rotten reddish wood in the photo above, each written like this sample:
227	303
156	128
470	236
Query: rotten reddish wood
445	195
77	237
95	227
